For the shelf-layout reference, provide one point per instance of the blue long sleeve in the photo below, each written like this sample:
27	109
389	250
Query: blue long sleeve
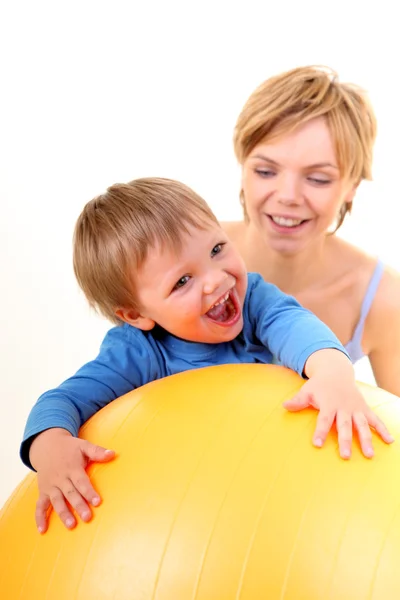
125	362
291	332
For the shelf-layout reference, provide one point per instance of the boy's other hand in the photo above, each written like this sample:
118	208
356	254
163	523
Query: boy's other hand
60	461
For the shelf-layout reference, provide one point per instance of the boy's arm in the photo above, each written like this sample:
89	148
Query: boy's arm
124	363
305	344
291	332
50	445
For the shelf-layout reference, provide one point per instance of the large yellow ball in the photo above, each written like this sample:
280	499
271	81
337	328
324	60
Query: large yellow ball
217	494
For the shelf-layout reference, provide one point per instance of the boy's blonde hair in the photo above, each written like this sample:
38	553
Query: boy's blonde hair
282	103
116	230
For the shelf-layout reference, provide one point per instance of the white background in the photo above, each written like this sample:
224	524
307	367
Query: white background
95	92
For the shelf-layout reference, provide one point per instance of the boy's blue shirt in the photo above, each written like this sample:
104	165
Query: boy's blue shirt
276	329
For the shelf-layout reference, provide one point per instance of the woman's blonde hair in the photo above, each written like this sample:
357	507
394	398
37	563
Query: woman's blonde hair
282	103
115	232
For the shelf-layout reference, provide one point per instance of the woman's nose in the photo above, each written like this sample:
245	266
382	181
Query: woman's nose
289	191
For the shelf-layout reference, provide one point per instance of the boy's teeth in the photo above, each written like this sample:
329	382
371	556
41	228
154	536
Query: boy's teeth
286	222
224	299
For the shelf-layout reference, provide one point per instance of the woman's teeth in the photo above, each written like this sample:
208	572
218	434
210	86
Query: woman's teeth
286	222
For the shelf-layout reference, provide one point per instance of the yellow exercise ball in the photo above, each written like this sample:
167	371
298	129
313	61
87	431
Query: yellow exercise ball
217	494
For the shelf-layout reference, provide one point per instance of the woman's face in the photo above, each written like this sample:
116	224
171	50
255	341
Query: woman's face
292	187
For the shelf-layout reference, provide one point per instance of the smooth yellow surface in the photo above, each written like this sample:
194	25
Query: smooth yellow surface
217	494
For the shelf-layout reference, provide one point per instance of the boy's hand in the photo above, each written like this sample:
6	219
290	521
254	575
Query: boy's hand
333	391
60	461
345	405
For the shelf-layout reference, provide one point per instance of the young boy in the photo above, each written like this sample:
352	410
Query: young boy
151	256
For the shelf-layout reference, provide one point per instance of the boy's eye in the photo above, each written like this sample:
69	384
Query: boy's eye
217	249
181	282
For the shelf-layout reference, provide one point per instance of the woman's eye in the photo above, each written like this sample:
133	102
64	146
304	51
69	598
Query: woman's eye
319	181
264	172
181	282
217	249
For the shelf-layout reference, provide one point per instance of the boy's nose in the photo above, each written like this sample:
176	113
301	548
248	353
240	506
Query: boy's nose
213	281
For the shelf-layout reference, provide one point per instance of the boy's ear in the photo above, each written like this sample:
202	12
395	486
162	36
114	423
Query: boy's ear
132	317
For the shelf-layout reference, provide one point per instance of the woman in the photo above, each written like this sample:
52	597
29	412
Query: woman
305	141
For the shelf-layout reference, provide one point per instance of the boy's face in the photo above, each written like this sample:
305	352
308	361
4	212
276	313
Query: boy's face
196	293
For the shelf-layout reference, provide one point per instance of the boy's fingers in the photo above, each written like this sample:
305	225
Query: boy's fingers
344	425
75	500
97	453
380	428
324	424
298	402
85	488
42	506
60	506
364	433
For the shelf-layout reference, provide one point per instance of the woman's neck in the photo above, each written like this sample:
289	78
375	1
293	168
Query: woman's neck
291	272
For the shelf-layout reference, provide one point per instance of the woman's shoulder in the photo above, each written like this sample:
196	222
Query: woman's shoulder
377	285
361	279
380	286
387	300
234	229
382	331
353	260
388	279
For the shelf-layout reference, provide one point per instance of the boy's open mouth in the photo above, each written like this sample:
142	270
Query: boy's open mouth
226	311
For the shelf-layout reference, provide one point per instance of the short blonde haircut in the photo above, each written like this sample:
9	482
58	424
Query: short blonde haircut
282	103
115	232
